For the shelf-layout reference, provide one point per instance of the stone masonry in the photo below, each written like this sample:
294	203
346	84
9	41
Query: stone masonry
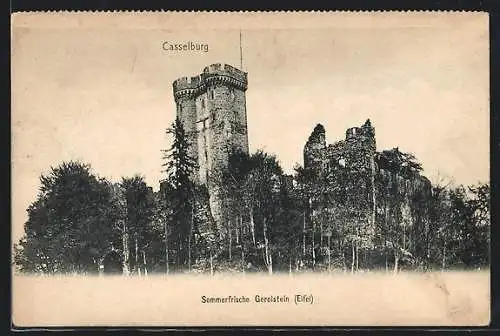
356	151
356	154
212	108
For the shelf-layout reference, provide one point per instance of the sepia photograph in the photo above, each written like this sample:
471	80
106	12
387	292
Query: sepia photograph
250	169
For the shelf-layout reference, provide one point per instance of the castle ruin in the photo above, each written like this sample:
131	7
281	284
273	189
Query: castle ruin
362	180
356	151
350	184
355	155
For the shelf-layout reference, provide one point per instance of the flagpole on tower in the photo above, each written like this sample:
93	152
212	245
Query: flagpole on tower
241	54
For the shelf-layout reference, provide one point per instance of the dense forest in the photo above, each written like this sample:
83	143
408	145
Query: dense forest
81	223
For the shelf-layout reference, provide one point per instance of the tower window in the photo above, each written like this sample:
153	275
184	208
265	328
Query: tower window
203	103
211	94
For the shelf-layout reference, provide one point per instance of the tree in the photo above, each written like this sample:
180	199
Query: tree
72	224
237	215
287	230
159	234
397	175
179	166
439	228
251	186
120	201
311	186
323	216
468	231
206	233
33	253
479	202
303	192
140	207
265	181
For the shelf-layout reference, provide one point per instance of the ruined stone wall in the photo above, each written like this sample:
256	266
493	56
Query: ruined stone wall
356	152
354	155
359	148
315	149
368	186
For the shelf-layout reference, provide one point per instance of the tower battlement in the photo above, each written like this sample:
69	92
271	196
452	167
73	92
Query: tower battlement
187	83
353	132
233	74
211	75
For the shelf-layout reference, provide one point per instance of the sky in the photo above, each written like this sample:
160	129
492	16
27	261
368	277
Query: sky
103	94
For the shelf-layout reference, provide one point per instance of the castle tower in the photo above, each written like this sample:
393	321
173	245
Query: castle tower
360	146
212	109
360	149
314	149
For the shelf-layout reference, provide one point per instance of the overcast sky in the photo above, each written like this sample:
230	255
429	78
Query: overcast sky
105	96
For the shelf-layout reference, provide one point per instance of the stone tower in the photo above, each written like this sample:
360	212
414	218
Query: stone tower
360	147
314	149
212	108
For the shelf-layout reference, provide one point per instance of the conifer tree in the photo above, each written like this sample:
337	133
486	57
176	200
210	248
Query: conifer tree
179	166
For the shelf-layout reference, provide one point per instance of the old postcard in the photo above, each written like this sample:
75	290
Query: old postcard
250	169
